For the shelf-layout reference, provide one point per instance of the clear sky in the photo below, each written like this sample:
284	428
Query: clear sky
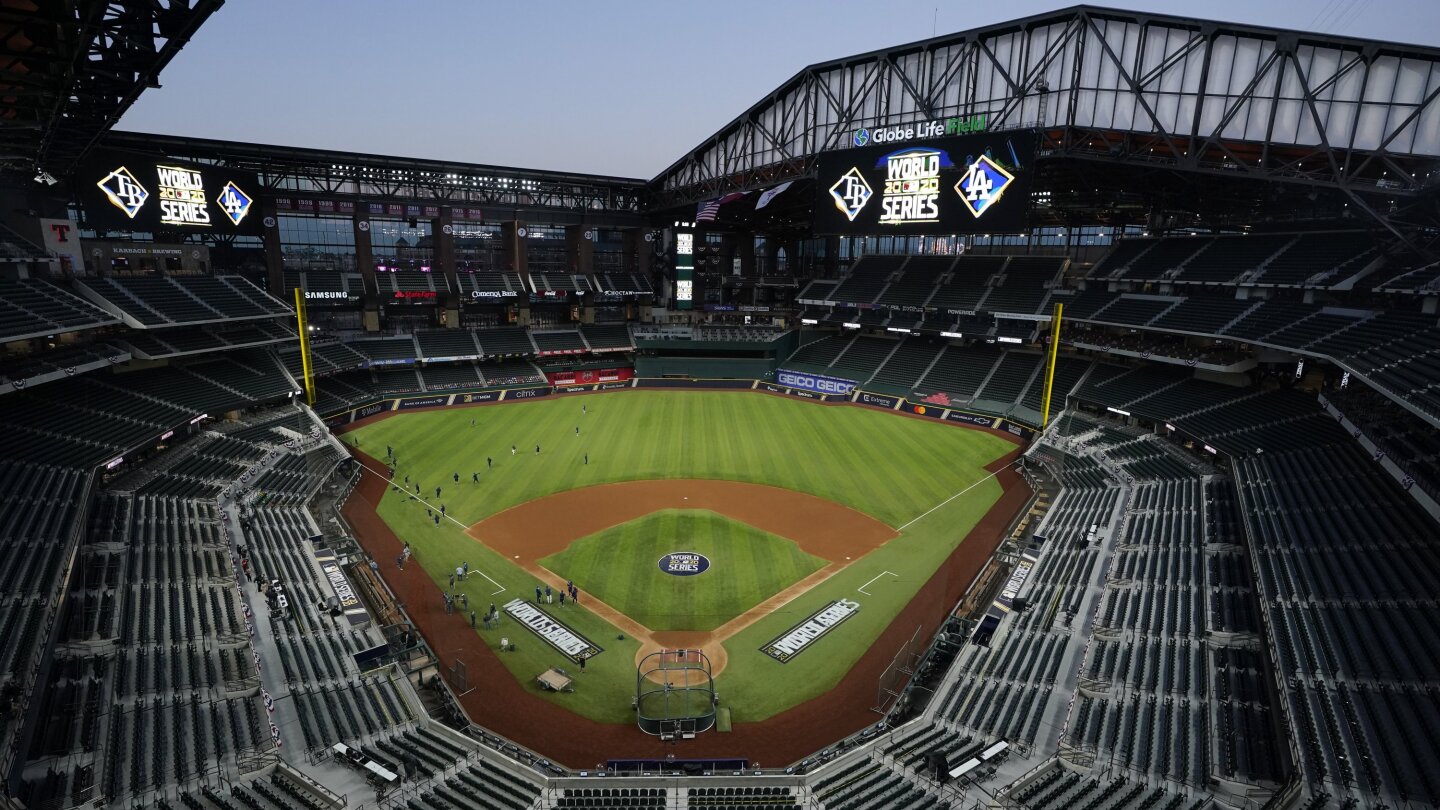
620	88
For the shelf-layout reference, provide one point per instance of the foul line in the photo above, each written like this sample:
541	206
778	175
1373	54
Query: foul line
958	494
862	588
412	496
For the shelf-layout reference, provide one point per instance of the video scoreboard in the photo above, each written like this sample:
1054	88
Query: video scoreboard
965	184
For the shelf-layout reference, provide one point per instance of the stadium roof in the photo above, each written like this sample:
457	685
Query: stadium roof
1356	117
69	69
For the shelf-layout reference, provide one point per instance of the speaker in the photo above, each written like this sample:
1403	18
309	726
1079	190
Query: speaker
1019	604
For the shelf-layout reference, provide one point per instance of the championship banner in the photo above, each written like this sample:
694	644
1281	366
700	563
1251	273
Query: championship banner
355	612
818	383
557	635
800	637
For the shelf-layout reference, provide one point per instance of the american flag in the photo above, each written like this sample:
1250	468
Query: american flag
709	210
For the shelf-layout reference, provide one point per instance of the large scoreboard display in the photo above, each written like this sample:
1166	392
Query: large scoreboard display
966	184
138	192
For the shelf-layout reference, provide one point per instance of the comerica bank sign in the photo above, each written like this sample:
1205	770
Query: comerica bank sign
936	128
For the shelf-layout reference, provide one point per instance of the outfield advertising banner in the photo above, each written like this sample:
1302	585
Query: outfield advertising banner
424	402
793	392
968	184
802	636
1016	429
818	383
483	396
525	393
567	641
973	419
686	382
932	411
877	400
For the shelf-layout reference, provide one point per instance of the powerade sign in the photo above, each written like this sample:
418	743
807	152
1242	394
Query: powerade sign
969	184
804	635
818	383
684	563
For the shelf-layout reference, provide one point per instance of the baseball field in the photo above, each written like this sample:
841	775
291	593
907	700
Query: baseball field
714	520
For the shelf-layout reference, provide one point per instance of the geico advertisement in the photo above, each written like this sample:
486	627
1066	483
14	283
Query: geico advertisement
135	192
975	183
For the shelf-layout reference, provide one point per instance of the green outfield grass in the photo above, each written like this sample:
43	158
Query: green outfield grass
621	566
893	468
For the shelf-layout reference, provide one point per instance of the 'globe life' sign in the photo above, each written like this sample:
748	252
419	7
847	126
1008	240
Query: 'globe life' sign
684	563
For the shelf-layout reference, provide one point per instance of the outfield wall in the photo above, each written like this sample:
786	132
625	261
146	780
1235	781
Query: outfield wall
799	388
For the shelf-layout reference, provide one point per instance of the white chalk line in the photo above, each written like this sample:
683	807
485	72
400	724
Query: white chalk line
862	588
414	497
958	494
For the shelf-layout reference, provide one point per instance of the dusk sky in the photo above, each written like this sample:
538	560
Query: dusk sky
618	88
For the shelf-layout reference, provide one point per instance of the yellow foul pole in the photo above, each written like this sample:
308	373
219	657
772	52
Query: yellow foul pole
1050	367
305	348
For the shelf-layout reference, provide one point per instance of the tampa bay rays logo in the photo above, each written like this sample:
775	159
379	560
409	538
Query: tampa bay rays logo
851	192
124	191
234	202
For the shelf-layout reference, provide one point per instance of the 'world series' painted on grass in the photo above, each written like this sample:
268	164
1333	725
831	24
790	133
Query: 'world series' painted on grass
553	632
800	637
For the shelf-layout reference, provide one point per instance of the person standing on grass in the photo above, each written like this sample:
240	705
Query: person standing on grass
472	620
457	477
587	459
537	449
562	599
490	462
464	569
442	508
512	449
549	596
437	492
475	478
583	411
537	594
577	430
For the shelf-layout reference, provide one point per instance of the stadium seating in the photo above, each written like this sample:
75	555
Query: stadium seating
155	301
32	308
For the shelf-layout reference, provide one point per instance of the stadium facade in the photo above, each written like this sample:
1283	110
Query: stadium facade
1227	233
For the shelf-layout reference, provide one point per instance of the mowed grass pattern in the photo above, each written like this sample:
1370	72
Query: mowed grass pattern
890	467
887	466
621	566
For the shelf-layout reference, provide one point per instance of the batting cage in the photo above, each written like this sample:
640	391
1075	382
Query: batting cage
675	694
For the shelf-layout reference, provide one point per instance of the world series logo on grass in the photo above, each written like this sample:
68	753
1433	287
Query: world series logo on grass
684	563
